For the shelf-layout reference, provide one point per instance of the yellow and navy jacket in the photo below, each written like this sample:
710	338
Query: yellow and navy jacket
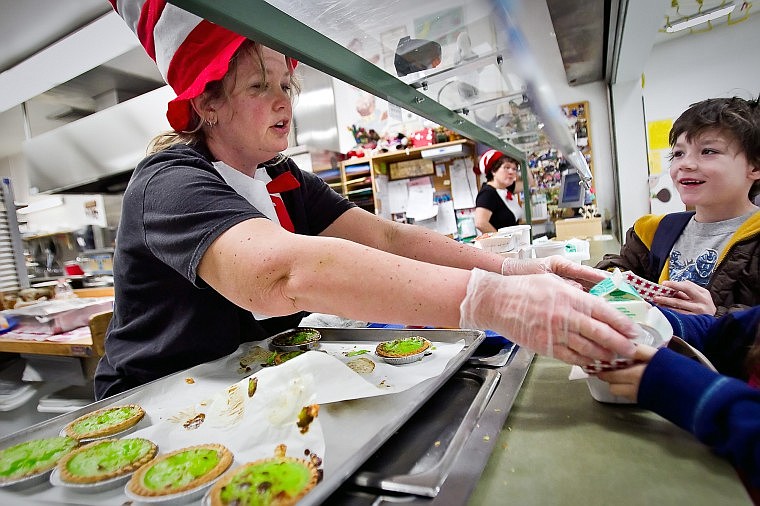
734	282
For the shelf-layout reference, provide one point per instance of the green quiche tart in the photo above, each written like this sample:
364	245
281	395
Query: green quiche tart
104	422
33	457
296	339
403	350
105	459
180	471
279	480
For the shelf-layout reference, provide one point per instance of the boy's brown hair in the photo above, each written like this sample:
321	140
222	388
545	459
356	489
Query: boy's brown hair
736	117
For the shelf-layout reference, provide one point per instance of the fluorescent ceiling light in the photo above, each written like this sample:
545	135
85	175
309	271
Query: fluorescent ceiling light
698	19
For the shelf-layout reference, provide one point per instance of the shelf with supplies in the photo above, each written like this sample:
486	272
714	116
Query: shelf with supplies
357	182
360	179
407	167
547	165
331	176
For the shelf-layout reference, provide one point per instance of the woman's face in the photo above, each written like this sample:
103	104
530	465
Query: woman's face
254	120
505	174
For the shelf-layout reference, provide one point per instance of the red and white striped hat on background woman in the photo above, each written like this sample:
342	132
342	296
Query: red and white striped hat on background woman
190	51
488	161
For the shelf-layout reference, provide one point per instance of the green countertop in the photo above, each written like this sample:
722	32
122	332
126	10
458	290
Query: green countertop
560	446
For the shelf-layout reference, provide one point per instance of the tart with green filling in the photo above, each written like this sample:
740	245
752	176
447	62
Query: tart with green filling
180	471
105	459
105	422
296	339
33	457
404	347
279	480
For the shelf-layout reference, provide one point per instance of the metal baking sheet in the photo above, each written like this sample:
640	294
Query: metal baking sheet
353	430
416	455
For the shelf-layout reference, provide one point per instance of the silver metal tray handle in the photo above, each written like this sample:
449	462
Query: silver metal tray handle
428	483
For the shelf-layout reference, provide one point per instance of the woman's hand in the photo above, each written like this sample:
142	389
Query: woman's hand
625	382
544	313
689	299
582	274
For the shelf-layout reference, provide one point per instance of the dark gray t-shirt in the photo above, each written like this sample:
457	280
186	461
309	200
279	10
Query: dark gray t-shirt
167	319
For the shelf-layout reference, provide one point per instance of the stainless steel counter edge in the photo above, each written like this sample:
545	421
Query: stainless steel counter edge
475	455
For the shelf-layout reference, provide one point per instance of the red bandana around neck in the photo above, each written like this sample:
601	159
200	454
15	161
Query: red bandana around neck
282	183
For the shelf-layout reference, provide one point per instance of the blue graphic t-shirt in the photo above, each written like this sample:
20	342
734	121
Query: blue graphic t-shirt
696	252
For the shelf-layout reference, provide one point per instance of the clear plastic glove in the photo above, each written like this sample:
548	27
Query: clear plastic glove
545	314
584	275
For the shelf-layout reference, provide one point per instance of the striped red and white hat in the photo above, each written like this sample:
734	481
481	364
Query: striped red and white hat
488	161
190	51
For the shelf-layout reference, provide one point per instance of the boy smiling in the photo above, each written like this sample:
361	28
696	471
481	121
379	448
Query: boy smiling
710	255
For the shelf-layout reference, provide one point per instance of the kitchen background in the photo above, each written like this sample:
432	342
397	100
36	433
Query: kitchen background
79	101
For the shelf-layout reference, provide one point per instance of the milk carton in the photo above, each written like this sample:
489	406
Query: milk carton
623	297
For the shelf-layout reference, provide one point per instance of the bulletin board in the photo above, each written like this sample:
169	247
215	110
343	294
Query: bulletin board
411	168
544	161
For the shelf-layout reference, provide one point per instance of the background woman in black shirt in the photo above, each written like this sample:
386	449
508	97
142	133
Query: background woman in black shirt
497	205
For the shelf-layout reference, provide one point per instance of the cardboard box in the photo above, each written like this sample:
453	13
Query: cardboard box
411	168
577	227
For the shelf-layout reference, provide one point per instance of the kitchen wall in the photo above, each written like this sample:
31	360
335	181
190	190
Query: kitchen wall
716	62
721	62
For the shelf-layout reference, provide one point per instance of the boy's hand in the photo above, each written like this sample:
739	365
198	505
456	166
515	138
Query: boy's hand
689	299
625	382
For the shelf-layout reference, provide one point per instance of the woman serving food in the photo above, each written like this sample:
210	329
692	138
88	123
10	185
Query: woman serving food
223	240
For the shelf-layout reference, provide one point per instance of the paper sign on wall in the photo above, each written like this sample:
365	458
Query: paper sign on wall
398	195
658	132
463	187
421	205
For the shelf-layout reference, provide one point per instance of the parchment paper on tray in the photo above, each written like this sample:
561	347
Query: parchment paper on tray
385	378
332	381
316	377
250	417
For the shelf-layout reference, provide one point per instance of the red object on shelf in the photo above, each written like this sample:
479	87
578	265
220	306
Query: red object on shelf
424	137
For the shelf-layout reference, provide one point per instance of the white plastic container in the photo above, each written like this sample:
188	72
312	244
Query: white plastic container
543	249
497	242
523	233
